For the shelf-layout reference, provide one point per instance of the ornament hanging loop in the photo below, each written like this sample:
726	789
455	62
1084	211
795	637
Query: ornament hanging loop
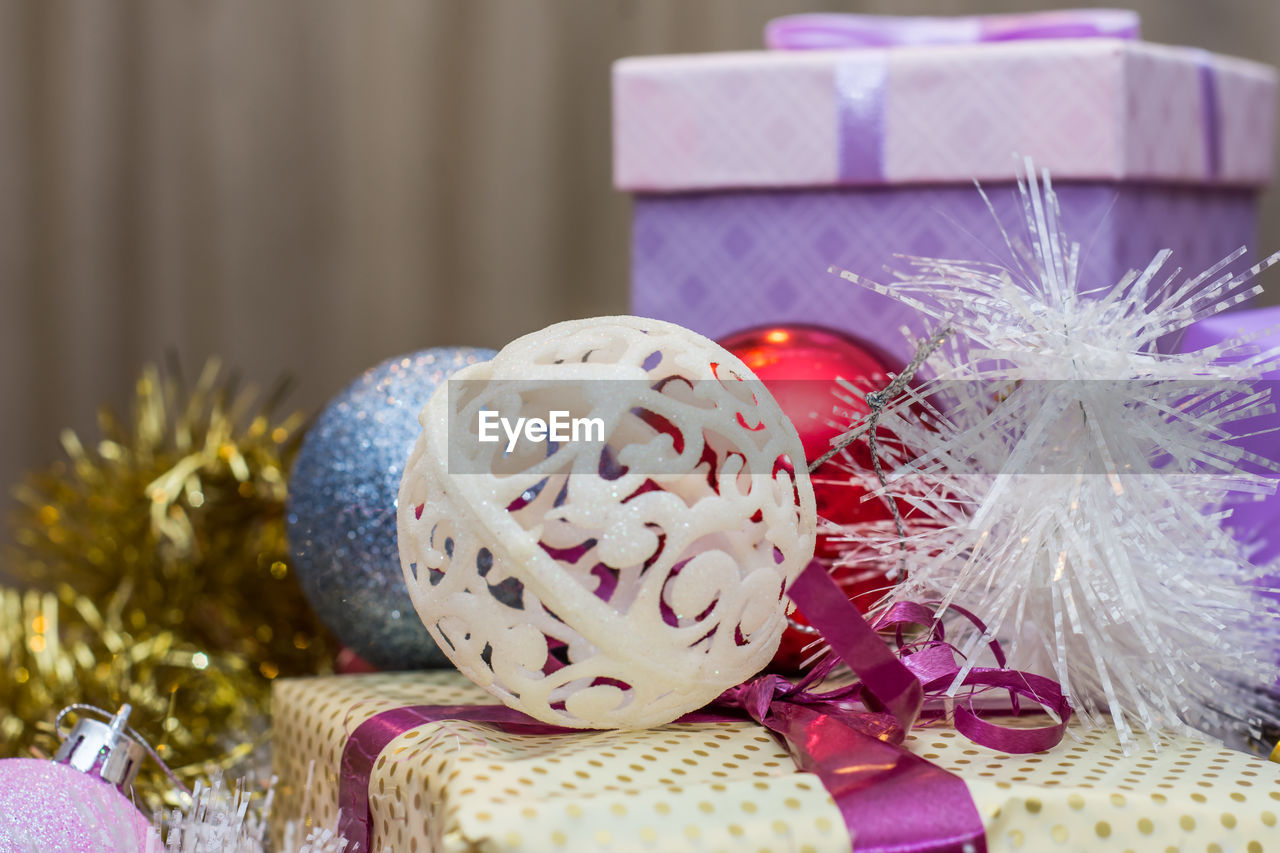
876	402
112	750
104	749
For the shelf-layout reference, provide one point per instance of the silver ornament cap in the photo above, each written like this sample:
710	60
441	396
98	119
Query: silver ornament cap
106	750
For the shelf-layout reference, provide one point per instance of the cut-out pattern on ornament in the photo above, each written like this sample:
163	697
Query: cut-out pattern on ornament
617	583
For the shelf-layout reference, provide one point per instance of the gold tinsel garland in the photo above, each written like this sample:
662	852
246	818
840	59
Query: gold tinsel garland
160	554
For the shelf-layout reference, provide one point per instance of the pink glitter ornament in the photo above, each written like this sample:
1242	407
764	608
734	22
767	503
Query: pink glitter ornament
77	802
49	806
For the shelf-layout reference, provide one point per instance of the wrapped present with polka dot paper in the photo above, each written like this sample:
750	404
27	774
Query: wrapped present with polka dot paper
467	786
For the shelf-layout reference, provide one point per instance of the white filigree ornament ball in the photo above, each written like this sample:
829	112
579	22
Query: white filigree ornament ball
625	561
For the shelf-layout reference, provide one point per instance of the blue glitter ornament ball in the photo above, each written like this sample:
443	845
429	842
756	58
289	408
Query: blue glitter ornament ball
342	508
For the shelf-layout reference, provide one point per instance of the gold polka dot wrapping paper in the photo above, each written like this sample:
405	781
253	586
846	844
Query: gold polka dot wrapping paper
458	786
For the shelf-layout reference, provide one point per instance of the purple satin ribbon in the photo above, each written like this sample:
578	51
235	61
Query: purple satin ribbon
851	737
861	80
1209	114
836	31
861	77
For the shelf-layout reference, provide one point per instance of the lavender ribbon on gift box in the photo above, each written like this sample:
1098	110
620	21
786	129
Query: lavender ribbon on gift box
861	78
850	737
835	31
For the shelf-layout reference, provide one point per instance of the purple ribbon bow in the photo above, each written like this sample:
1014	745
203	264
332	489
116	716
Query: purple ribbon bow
826	32
850	737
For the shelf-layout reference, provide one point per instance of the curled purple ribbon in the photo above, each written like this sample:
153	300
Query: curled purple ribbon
850	737
836	31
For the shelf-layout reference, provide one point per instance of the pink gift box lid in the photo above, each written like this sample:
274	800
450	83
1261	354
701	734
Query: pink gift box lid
1087	109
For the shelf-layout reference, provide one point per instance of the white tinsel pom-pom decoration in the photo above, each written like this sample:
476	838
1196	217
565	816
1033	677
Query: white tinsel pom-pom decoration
622	575
1073	479
234	817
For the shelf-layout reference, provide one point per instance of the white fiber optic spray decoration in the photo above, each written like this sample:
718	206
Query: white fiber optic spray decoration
1070	479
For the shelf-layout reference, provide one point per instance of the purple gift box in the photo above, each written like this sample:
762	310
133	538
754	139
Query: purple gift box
1255	522
754	172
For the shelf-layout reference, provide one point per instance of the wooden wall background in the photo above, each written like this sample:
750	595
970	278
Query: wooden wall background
310	186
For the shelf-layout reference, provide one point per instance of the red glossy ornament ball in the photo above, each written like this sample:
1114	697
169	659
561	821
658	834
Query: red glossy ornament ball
799	365
350	663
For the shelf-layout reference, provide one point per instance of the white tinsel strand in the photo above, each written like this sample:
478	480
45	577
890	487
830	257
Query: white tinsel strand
1072	480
